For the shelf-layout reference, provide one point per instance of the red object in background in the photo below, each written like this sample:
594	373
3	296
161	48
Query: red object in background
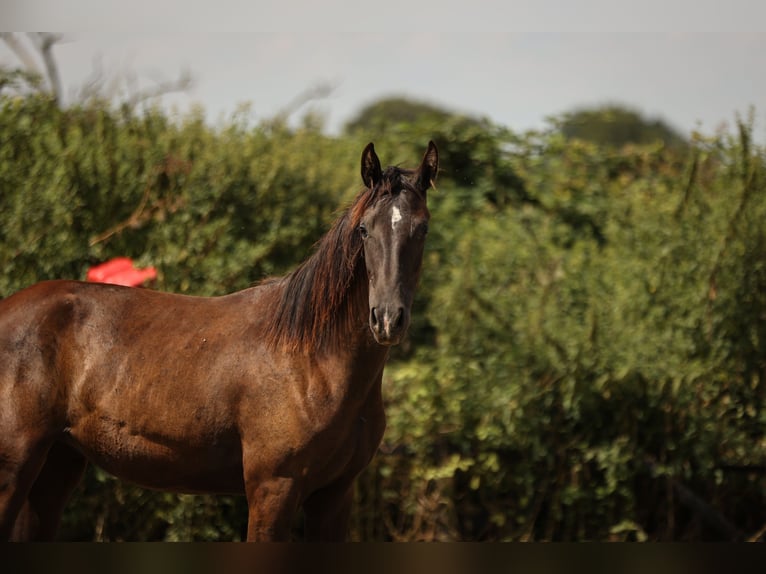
120	271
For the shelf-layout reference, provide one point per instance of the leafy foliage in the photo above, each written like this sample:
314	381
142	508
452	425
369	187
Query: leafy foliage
588	349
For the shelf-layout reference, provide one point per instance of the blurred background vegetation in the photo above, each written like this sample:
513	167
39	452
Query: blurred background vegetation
587	359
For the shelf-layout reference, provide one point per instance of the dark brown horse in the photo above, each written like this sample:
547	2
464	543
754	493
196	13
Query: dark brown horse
273	392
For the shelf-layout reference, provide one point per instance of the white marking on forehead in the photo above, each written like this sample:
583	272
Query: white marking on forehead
396	217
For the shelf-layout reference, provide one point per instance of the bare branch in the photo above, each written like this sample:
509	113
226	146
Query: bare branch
26	59
711	516
99	86
184	82
319	91
93	86
45	42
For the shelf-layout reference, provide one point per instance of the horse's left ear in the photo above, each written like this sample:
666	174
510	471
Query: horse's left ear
429	167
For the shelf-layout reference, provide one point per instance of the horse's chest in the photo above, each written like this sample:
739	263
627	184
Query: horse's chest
346	447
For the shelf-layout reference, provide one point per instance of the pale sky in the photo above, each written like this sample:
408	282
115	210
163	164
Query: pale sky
697	68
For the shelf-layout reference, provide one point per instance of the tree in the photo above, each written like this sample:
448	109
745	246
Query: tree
381	114
617	126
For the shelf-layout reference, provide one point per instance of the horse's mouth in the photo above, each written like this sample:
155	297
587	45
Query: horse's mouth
388	325
387	341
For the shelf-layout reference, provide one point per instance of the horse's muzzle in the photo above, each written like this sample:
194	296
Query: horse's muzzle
388	324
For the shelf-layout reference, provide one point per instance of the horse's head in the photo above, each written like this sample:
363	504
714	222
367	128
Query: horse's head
393	229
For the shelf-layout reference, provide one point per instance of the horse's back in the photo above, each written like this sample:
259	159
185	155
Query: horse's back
26	306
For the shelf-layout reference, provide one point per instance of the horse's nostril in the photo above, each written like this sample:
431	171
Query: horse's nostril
387	323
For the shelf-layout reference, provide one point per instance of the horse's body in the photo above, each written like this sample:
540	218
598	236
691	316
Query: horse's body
273	392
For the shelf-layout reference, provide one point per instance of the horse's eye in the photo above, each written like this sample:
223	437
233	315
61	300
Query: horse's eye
363	230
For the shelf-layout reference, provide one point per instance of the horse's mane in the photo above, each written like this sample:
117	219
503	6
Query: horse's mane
323	298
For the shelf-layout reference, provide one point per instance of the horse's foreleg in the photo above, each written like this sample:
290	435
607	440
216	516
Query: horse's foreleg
272	504
40	517
328	512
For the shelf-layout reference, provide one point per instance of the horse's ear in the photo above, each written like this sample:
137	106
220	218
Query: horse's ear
429	167
371	172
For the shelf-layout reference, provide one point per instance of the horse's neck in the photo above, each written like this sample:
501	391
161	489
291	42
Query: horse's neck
361	357
369	358
360	375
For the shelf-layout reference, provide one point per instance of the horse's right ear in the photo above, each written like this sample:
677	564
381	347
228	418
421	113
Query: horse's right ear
371	172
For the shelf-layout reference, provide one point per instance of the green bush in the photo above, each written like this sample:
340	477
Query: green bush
588	349
598	354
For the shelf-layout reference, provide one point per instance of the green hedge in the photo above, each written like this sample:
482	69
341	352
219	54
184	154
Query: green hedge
588	349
